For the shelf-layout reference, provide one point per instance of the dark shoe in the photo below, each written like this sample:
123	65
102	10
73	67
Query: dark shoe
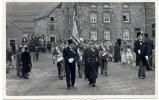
61	78
142	77
93	85
72	85
68	88
106	74
19	75
26	77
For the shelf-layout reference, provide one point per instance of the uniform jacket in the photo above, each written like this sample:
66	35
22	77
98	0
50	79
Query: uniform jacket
91	61
70	53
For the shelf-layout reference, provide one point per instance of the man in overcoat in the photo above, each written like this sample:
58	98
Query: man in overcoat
140	48
91	62
26	63
70	56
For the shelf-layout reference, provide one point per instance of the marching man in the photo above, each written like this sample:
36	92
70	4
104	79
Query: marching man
140	48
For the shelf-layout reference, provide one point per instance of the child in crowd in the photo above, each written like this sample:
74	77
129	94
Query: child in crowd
129	56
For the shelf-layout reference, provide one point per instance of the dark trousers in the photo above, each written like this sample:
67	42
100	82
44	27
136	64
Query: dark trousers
70	74
37	56
142	69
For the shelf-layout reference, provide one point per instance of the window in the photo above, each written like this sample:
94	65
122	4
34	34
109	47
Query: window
51	19
93	17
52	27
107	34
93	35
126	34
126	17
106	17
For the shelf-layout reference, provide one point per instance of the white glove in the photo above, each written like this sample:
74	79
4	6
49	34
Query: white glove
139	51
71	60
146	57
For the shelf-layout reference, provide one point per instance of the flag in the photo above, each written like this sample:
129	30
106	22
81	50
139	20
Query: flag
75	34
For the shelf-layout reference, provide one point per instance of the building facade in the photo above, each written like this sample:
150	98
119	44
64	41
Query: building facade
111	20
14	34
97	20
55	22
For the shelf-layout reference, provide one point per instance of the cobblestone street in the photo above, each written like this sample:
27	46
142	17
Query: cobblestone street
122	80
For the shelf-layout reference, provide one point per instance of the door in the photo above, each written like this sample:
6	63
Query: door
52	39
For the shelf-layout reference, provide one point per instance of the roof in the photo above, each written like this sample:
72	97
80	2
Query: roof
14	24
48	11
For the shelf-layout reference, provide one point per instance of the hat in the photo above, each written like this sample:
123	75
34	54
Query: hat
70	41
139	33
146	34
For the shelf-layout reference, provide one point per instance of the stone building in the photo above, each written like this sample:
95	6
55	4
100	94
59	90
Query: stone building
111	20
14	34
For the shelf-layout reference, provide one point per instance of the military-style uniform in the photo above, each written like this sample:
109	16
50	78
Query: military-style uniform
60	62
91	61
70	67
104	59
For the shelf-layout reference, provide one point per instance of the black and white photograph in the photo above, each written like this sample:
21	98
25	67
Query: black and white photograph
80	49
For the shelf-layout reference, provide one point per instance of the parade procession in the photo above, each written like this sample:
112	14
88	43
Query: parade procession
72	48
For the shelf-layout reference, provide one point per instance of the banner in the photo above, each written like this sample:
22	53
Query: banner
75	34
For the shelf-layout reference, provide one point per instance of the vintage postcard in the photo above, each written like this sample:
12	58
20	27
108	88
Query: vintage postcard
79	49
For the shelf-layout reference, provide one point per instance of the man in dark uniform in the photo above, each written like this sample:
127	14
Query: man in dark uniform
149	50
91	62
140	48
26	63
70	56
